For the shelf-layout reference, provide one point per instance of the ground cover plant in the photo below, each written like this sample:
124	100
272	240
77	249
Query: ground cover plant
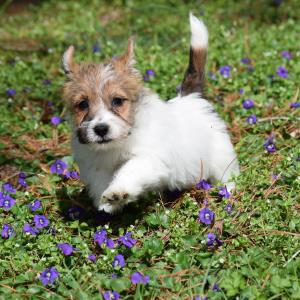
204	244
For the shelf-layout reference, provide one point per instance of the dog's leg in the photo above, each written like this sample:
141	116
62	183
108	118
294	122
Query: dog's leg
135	177
225	164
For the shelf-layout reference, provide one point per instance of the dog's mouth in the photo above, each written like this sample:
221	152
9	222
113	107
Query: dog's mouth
104	141
83	138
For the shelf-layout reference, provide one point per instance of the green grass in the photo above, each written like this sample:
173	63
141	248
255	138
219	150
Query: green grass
259	258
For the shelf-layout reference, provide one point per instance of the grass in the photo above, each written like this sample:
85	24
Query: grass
259	258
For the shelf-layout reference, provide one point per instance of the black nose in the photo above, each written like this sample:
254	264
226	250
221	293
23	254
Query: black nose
101	129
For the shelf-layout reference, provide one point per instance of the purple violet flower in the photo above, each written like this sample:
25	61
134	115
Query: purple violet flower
92	257
75	213
277	2
148	75
55	120
47	82
200	298
100	237
216	287
11	92
110	295
225	71
58	167
48	276
212	76
35	205
269	145
119	261
22	175
295	104
242	91
275	176
206	216
212	240
286	54
66	248
27	228
246	60
53	231
72	175
271	148
12	62
282	72
137	277
40	221
150	72
205	202
96	48
229	208
248	103
127	240
251	120
203	185
7	231
9	188
7	202
223	192
21	180
110	243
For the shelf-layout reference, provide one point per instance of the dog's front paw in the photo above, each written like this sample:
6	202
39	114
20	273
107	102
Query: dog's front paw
116	196
113	201
109	197
110	208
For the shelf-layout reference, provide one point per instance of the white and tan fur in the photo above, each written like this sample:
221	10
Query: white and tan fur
150	144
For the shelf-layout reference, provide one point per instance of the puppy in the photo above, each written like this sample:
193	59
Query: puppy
127	141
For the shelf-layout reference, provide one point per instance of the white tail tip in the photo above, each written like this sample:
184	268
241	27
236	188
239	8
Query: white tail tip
199	38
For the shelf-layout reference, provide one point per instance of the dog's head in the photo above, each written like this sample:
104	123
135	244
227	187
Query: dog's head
102	97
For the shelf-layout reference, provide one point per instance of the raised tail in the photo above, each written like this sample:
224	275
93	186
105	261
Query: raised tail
194	78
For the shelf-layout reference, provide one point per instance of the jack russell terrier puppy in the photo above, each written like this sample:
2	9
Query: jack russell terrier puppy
127	141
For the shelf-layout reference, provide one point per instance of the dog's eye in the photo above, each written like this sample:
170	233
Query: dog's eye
83	105
116	102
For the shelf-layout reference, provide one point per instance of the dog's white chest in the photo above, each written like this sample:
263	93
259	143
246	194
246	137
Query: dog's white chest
96	168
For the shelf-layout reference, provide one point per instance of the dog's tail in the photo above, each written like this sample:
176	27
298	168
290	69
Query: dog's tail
194	78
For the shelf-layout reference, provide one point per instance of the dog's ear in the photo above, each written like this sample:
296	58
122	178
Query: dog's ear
67	61
128	57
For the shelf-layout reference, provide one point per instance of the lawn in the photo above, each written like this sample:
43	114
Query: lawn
53	243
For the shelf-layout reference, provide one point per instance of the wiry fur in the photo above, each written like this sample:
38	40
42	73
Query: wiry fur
163	145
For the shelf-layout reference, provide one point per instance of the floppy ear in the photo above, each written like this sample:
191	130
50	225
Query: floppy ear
67	61
128	57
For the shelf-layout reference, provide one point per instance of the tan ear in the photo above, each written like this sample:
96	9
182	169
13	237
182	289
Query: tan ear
67	61
129	57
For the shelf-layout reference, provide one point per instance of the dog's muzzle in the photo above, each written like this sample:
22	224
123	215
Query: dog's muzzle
82	135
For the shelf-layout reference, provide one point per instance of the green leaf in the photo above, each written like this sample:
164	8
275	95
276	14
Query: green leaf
120	284
154	246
